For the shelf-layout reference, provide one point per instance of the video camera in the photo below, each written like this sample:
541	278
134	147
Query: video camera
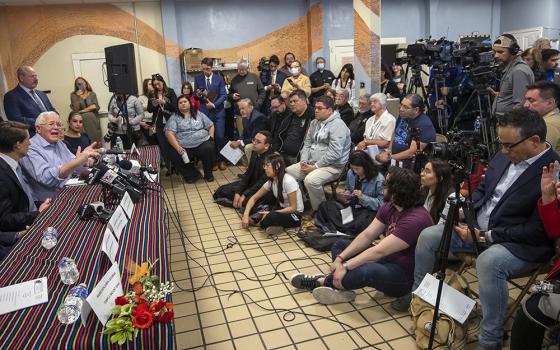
263	66
477	59
462	150
430	52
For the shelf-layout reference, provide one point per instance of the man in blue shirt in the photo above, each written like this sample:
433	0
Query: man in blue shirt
49	163
411	120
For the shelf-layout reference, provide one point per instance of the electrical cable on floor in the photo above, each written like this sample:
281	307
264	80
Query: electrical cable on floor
288	314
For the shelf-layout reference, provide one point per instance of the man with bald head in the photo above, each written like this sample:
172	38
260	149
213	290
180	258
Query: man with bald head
24	103
49	163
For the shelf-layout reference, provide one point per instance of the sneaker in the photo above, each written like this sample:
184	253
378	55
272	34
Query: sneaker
402	303
328	295
303	281
274	230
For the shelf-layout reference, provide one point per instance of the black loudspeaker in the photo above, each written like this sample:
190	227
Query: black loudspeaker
121	69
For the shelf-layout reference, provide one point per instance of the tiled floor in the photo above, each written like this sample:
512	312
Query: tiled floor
216	257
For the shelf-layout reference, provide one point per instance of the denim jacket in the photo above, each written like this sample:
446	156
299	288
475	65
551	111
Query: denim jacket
372	190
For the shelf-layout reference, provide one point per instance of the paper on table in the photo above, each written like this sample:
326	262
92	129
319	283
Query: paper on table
231	154
453	303
127	205
118	222
23	295
75	182
110	245
102	297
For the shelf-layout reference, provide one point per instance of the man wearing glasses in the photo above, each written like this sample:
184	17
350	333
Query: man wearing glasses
49	163
253	122
509	230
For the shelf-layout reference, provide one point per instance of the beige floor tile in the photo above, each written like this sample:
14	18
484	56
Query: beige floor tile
190	339
216	333
390	330
237	313
340	341
188	323
302	332
312	345
268	322
276	339
404	344
212	318
209	304
226	345
249	342
326	327
242	328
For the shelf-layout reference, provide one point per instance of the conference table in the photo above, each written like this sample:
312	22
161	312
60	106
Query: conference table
142	239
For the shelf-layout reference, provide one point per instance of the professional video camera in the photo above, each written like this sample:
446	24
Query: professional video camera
463	150
477	59
263	65
428	51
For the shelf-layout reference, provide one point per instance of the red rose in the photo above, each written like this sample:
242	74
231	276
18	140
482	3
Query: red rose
166	317
121	301
142	319
155	307
141	308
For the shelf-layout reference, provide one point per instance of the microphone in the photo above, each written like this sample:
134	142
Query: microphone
135	168
545	287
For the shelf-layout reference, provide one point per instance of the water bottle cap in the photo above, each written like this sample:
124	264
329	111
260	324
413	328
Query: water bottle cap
65	261
50	230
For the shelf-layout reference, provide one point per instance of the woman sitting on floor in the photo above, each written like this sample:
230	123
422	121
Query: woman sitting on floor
436	180
288	194
387	266
190	134
363	196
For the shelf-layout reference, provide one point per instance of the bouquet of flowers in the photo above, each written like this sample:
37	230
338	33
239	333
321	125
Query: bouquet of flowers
141	307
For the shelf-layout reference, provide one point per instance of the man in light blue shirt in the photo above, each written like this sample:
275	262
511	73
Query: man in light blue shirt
49	163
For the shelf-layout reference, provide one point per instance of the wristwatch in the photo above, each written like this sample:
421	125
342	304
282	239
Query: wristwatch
482	237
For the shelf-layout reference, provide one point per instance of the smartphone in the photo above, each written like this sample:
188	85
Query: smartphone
290	80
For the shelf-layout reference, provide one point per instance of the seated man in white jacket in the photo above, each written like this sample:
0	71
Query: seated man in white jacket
325	151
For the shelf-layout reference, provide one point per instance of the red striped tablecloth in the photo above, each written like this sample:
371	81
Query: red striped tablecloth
143	238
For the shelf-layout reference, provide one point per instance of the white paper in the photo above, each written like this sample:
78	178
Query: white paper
118	222
453	303
335	234
346	215
75	182
133	150
231	154
110	245
150	177
102	297
373	150
127	205
23	295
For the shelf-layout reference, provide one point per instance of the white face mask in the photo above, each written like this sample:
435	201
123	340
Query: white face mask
320	66
294	71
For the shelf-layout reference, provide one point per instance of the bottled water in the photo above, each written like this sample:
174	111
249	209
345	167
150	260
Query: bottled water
68	271
70	310
119	144
49	238
477	124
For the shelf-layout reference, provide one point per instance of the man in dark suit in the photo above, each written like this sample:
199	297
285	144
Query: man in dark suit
210	89
272	81
23	103
236	194
253	122
508	229
17	209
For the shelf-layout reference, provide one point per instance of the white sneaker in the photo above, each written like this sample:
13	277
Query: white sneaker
328	295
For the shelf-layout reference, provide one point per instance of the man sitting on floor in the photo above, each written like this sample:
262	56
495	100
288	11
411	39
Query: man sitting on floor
236	194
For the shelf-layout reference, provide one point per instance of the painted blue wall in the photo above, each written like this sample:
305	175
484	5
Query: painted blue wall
520	14
416	19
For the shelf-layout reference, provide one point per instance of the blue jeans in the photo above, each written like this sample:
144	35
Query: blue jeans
494	267
386	277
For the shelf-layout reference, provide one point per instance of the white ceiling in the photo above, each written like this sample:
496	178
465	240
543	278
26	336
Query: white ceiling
64	2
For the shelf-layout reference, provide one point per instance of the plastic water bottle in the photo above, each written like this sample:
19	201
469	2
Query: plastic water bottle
68	271
119	144
49	238
71	309
477	124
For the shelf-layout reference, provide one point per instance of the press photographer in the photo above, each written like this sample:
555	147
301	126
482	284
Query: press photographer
125	114
507	219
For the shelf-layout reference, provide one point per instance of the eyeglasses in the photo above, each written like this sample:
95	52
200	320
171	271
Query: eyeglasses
52	125
509	146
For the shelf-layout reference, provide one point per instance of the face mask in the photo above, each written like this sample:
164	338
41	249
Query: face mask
320	66
294	71
81	87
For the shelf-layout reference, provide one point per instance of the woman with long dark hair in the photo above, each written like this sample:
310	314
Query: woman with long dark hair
363	194
436	179
75	137
190	134
162	104
387	85
288	194
345	81
187	90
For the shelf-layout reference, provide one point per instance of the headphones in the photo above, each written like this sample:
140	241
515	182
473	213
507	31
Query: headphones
508	41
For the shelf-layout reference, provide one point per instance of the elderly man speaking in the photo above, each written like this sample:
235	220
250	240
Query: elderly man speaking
49	163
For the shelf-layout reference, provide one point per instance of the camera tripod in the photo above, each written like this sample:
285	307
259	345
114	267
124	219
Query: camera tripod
461	173
415	83
487	121
441	109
